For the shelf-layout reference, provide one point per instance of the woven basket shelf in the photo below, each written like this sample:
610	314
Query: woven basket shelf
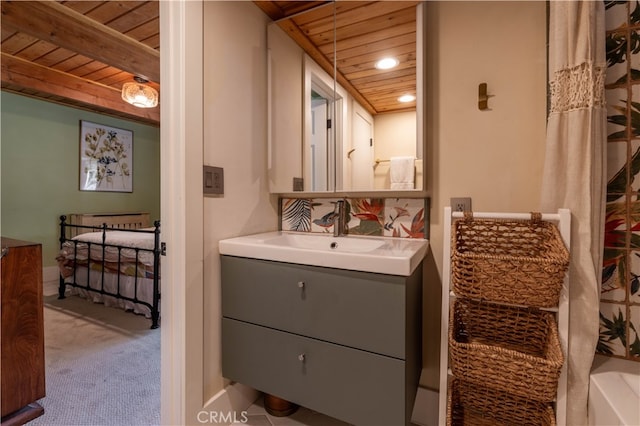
469	404
507	348
511	261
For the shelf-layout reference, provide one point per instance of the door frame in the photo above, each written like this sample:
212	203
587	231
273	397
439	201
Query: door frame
181	205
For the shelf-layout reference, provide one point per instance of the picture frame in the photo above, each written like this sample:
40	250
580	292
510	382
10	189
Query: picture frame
106	158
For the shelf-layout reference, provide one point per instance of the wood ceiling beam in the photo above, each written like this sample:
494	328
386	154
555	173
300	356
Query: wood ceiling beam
21	73
64	27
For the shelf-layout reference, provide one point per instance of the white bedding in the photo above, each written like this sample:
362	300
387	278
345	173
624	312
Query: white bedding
141	240
137	260
122	238
144	293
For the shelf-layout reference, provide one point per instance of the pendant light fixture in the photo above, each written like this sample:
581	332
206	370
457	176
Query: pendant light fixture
139	94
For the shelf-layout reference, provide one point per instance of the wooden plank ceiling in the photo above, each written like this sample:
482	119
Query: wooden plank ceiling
80	53
365	31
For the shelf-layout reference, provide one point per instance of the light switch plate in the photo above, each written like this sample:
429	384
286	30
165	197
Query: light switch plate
213	180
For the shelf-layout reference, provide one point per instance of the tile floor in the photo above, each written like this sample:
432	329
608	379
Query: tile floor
258	416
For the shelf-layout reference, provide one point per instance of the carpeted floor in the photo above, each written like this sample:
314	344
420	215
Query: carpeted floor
102	366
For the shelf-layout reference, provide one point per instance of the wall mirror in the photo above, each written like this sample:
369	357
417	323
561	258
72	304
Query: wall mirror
336	121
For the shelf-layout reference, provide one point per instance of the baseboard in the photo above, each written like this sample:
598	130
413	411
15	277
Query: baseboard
237	398
425	410
50	273
228	405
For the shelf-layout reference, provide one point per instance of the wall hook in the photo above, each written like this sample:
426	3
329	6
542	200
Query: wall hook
483	97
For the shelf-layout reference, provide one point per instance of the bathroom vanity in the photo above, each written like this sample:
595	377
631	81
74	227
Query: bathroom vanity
344	343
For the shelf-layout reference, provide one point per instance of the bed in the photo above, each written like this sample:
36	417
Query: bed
112	259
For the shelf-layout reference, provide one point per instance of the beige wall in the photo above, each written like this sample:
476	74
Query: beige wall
493	156
235	139
395	135
286	78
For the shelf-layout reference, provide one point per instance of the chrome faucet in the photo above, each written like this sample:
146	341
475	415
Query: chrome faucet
339	220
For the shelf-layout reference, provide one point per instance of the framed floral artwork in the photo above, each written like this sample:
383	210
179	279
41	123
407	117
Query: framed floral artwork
106	158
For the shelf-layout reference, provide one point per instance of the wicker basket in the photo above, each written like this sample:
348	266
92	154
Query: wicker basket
469	404
507	348
508	261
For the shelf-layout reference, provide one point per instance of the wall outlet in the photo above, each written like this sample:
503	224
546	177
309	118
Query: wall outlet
461	204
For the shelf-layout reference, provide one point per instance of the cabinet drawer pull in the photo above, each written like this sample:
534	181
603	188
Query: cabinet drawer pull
300	284
301	357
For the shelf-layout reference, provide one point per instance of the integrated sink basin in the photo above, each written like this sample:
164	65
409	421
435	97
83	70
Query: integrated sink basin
326	243
394	256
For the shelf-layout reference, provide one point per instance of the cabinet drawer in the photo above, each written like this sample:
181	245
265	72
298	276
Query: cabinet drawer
357	309
346	383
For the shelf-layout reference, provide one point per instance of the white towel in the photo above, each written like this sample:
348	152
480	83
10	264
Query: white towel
402	172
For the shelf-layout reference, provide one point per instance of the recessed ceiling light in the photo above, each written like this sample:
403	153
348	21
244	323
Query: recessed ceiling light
386	63
407	98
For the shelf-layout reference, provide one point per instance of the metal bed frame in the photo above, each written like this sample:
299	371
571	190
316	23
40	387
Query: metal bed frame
157	252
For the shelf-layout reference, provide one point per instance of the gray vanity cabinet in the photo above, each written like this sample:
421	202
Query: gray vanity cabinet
343	343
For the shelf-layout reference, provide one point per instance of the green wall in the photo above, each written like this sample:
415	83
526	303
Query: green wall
39	152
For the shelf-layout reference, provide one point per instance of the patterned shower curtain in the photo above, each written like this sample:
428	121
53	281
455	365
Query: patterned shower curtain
575	174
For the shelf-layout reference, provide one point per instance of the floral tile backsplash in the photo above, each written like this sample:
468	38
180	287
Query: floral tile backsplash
620	291
385	217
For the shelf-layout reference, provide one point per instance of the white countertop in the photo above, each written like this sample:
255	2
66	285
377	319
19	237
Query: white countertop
384	255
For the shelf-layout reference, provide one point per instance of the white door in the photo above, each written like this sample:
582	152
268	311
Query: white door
362	156
318	144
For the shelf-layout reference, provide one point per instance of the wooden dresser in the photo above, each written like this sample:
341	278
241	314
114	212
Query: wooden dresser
22	338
